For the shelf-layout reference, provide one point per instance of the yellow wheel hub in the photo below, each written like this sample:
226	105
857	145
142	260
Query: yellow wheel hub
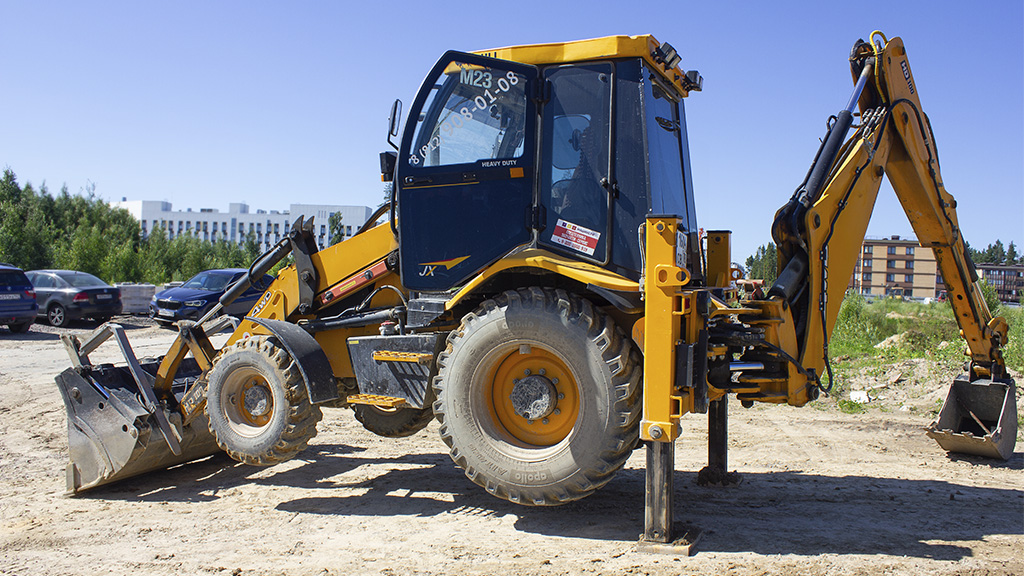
255	402
533	396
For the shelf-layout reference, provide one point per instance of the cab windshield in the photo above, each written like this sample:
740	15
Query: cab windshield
472	113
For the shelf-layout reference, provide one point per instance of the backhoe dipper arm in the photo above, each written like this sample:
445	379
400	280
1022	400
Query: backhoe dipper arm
819	232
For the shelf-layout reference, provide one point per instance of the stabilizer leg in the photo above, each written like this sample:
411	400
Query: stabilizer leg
718	434
660	533
716	473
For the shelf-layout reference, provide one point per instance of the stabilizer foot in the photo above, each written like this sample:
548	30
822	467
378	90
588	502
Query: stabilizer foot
685	545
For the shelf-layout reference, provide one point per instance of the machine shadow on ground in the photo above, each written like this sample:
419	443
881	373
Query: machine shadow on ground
787	512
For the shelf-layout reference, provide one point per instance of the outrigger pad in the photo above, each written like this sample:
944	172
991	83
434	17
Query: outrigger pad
111	434
978	418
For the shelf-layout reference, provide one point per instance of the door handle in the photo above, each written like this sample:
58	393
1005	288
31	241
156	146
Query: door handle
418	180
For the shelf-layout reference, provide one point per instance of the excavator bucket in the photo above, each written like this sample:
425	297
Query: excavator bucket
978	418
116	426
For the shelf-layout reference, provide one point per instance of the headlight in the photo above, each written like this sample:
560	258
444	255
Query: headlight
195	303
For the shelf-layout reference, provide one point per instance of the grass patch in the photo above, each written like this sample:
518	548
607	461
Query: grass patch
911	331
1014	351
850	407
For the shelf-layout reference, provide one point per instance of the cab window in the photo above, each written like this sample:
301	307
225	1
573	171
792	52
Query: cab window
578	118
665	127
473	113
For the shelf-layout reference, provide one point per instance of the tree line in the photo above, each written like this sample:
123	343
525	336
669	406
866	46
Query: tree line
995	253
83	232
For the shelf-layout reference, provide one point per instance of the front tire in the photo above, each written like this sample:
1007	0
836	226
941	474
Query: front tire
257	404
539	397
393	422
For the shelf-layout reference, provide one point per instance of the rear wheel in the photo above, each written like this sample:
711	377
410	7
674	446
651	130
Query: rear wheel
538	397
257	403
393	422
57	316
20	328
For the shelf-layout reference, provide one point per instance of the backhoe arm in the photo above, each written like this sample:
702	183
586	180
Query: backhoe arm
820	231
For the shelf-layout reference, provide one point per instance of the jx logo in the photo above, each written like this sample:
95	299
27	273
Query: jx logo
430	267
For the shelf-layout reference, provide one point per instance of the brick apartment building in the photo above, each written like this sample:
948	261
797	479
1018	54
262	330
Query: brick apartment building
896	266
1007	279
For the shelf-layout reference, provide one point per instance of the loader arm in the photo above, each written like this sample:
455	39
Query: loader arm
820	231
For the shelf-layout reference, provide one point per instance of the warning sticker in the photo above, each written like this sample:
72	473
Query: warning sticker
576	237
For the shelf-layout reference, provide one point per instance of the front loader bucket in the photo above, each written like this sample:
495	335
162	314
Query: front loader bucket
978	418
111	433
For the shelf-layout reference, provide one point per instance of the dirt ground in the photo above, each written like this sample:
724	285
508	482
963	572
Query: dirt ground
822	492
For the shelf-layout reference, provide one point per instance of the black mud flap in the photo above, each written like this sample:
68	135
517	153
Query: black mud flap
308	355
396	366
112	435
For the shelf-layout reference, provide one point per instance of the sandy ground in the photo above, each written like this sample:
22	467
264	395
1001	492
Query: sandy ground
823	492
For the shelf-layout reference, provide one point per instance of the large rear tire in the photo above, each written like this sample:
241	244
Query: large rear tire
393	422
538	394
257	403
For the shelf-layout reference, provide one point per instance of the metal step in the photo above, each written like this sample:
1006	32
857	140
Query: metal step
374	400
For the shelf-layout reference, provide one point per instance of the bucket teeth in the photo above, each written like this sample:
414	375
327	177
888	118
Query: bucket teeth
112	435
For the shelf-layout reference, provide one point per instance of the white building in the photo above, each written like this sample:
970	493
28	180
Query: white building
234	225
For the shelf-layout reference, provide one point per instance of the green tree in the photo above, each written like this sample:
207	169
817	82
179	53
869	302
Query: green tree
995	253
25	233
763	264
989	292
335	229
1011	254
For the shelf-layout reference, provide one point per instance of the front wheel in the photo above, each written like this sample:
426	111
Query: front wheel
393	422
257	404
538	395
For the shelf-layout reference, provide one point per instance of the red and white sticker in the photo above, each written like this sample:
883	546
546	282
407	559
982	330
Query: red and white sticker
576	237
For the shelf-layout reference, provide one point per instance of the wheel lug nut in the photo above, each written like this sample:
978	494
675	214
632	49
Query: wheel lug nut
557	411
542	371
554	380
529	421
544	421
561	396
526	372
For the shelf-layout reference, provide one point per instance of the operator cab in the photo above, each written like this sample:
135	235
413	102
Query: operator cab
499	155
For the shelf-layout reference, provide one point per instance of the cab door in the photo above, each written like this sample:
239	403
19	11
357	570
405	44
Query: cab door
465	170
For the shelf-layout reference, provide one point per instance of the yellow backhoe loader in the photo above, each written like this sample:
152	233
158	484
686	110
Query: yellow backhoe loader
539	285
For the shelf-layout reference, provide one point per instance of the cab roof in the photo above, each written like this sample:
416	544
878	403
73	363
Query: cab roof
644	46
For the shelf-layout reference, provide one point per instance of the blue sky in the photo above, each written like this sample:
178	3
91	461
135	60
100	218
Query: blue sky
270	103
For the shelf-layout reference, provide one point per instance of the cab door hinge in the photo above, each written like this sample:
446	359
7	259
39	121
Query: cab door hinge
542	91
536	218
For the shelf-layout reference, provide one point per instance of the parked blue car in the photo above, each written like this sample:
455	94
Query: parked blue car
17	299
193	299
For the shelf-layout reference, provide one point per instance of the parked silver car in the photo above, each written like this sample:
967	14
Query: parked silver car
66	295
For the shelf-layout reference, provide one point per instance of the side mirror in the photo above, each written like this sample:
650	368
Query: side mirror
394	120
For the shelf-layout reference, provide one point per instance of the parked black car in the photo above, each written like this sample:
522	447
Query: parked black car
17	299
66	295
194	298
